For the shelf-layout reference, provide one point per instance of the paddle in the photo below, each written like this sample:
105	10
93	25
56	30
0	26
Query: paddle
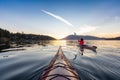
93	48
80	47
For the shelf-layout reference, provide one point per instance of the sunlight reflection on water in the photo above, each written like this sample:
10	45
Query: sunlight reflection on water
30	63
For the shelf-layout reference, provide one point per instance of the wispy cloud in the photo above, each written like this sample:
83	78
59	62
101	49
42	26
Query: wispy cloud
117	18
109	34
86	29
58	17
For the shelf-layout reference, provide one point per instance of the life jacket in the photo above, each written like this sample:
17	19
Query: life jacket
81	42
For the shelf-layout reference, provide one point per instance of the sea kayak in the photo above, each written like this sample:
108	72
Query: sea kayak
60	69
93	48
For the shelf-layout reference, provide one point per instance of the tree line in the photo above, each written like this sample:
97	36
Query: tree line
7	37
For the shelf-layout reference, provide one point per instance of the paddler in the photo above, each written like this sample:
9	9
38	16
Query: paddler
81	43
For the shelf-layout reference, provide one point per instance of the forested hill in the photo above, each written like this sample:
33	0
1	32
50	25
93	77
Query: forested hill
116	38
73	37
7	36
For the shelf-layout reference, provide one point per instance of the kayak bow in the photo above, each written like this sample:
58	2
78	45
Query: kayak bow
59	69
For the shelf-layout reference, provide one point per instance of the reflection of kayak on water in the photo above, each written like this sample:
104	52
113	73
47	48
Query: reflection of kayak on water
60	69
93	48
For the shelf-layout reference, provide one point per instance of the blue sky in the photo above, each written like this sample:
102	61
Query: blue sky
59	18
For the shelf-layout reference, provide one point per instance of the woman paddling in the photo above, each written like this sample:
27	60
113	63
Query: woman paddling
81	46
81	43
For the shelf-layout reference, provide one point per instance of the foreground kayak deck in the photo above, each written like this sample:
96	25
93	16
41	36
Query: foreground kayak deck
59	69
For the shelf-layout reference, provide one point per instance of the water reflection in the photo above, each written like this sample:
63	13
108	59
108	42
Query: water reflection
30	63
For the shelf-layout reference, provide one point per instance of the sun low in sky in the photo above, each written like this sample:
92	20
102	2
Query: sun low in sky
59	18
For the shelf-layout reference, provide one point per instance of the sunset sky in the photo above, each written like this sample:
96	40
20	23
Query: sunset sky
59	18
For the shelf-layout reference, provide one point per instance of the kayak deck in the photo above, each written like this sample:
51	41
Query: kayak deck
59	69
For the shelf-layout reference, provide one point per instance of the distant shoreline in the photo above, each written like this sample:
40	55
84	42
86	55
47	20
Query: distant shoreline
87	37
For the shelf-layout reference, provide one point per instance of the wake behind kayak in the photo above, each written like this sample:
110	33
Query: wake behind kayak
59	69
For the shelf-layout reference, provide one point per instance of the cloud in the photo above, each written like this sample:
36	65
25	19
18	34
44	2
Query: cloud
86	29
109	34
117	18
58	18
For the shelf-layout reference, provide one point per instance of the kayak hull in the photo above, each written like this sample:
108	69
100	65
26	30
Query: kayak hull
59	69
93	48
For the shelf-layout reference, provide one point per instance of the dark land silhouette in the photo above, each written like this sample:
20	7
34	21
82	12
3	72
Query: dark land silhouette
87	37
7	38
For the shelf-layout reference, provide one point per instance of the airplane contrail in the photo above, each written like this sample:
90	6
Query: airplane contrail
58	17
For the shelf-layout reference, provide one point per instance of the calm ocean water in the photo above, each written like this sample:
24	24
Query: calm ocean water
30	63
